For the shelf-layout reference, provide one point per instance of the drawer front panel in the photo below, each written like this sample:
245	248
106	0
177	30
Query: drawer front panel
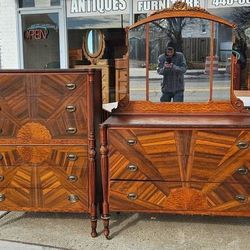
55	129
23	109
32	116
60	199
70	156
162	155
44	177
177	196
49	84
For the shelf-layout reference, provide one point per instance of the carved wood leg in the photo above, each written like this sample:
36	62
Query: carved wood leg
105	219
93	226
104	170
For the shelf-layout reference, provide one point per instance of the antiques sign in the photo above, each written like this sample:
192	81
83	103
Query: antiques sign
96	7
85	8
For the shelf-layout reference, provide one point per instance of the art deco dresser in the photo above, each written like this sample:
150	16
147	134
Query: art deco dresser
190	157
47	141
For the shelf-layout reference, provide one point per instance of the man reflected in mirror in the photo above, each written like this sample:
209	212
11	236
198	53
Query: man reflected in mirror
172	65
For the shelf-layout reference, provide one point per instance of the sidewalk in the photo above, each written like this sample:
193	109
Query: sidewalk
190	73
135	231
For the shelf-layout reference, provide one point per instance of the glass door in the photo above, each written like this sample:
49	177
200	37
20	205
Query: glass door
43	39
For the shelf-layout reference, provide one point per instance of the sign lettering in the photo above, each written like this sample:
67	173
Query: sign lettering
36	34
96	7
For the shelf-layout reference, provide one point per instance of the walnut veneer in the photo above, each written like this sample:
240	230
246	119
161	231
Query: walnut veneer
184	158
47	141
176	164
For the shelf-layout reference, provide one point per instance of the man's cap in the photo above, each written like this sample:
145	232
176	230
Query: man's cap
171	44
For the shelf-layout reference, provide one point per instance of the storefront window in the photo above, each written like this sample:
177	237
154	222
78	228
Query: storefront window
112	26
38	3
41	40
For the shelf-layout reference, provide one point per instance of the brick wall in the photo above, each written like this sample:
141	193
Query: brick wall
8	35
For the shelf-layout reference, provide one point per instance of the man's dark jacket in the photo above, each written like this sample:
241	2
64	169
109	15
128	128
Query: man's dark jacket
173	79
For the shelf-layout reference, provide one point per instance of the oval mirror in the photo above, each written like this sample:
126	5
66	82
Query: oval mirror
93	41
93	45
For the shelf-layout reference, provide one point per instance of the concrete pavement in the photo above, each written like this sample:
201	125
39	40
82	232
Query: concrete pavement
137	231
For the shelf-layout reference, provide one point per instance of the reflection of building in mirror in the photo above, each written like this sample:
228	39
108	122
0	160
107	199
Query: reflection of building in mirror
197	41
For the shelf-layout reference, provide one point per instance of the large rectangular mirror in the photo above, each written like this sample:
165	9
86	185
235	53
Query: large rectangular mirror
180	60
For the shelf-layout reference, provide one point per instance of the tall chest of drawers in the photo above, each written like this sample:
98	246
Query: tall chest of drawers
48	140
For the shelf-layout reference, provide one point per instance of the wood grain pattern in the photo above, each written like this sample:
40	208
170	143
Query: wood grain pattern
151	197
24	199
44	118
184	155
147	107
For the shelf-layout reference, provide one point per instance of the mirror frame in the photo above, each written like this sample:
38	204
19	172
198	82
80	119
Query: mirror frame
93	57
180	9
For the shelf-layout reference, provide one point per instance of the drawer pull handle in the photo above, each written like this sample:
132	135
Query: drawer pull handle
131	142
1	130
72	157
241	198
243	170
242	145
71	86
72	178
1	177
132	168
71	130
71	108
2	197
73	198
1	156
132	196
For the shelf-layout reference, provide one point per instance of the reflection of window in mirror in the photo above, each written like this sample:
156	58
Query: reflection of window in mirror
203	28
188	74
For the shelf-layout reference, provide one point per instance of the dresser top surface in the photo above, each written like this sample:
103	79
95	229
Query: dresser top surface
198	120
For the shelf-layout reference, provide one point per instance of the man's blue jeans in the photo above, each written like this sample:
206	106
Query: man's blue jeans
176	96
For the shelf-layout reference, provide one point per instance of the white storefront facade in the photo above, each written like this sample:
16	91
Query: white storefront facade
36	33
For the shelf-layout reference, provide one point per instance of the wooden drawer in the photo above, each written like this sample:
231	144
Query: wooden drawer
61	128
22	109
43	177
177	196
164	155
68	156
38	84
178	142
59	199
